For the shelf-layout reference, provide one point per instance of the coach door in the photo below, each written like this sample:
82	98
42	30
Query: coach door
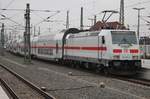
101	46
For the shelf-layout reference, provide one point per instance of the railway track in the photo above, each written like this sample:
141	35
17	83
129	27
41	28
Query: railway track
90	76
8	89
135	80
36	91
131	79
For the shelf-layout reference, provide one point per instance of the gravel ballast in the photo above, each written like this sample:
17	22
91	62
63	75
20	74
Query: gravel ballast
79	85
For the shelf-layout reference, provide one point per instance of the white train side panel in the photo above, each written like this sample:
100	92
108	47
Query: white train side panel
49	46
86	46
107	47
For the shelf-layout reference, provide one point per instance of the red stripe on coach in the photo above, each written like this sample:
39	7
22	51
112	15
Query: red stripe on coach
73	48
94	48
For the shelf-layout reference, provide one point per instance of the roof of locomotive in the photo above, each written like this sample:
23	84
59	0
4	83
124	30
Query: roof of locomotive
93	33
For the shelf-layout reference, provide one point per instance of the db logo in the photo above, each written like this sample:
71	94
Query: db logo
125	51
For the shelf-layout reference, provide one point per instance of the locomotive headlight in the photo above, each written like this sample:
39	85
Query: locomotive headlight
135	57
116	57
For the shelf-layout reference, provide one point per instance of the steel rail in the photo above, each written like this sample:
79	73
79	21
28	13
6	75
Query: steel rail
140	81
134	80
144	82
8	89
44	94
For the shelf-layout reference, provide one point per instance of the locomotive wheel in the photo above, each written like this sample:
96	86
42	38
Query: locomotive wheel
97	70
106	71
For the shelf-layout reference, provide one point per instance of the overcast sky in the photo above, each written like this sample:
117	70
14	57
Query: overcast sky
91	7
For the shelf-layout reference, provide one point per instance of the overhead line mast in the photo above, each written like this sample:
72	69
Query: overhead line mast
67	20
138	28
27	44
121	19
2	40
81	19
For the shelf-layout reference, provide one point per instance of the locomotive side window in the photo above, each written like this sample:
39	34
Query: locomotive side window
103	40
56	48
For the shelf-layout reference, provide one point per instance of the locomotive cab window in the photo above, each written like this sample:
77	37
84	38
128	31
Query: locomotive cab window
123	37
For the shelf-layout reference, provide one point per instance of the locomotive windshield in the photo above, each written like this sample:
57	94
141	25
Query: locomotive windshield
123	37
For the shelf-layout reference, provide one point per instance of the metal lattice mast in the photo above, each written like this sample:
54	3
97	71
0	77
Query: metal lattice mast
121	19
95	19
138	28
67	20
81	19
2	40
27	45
